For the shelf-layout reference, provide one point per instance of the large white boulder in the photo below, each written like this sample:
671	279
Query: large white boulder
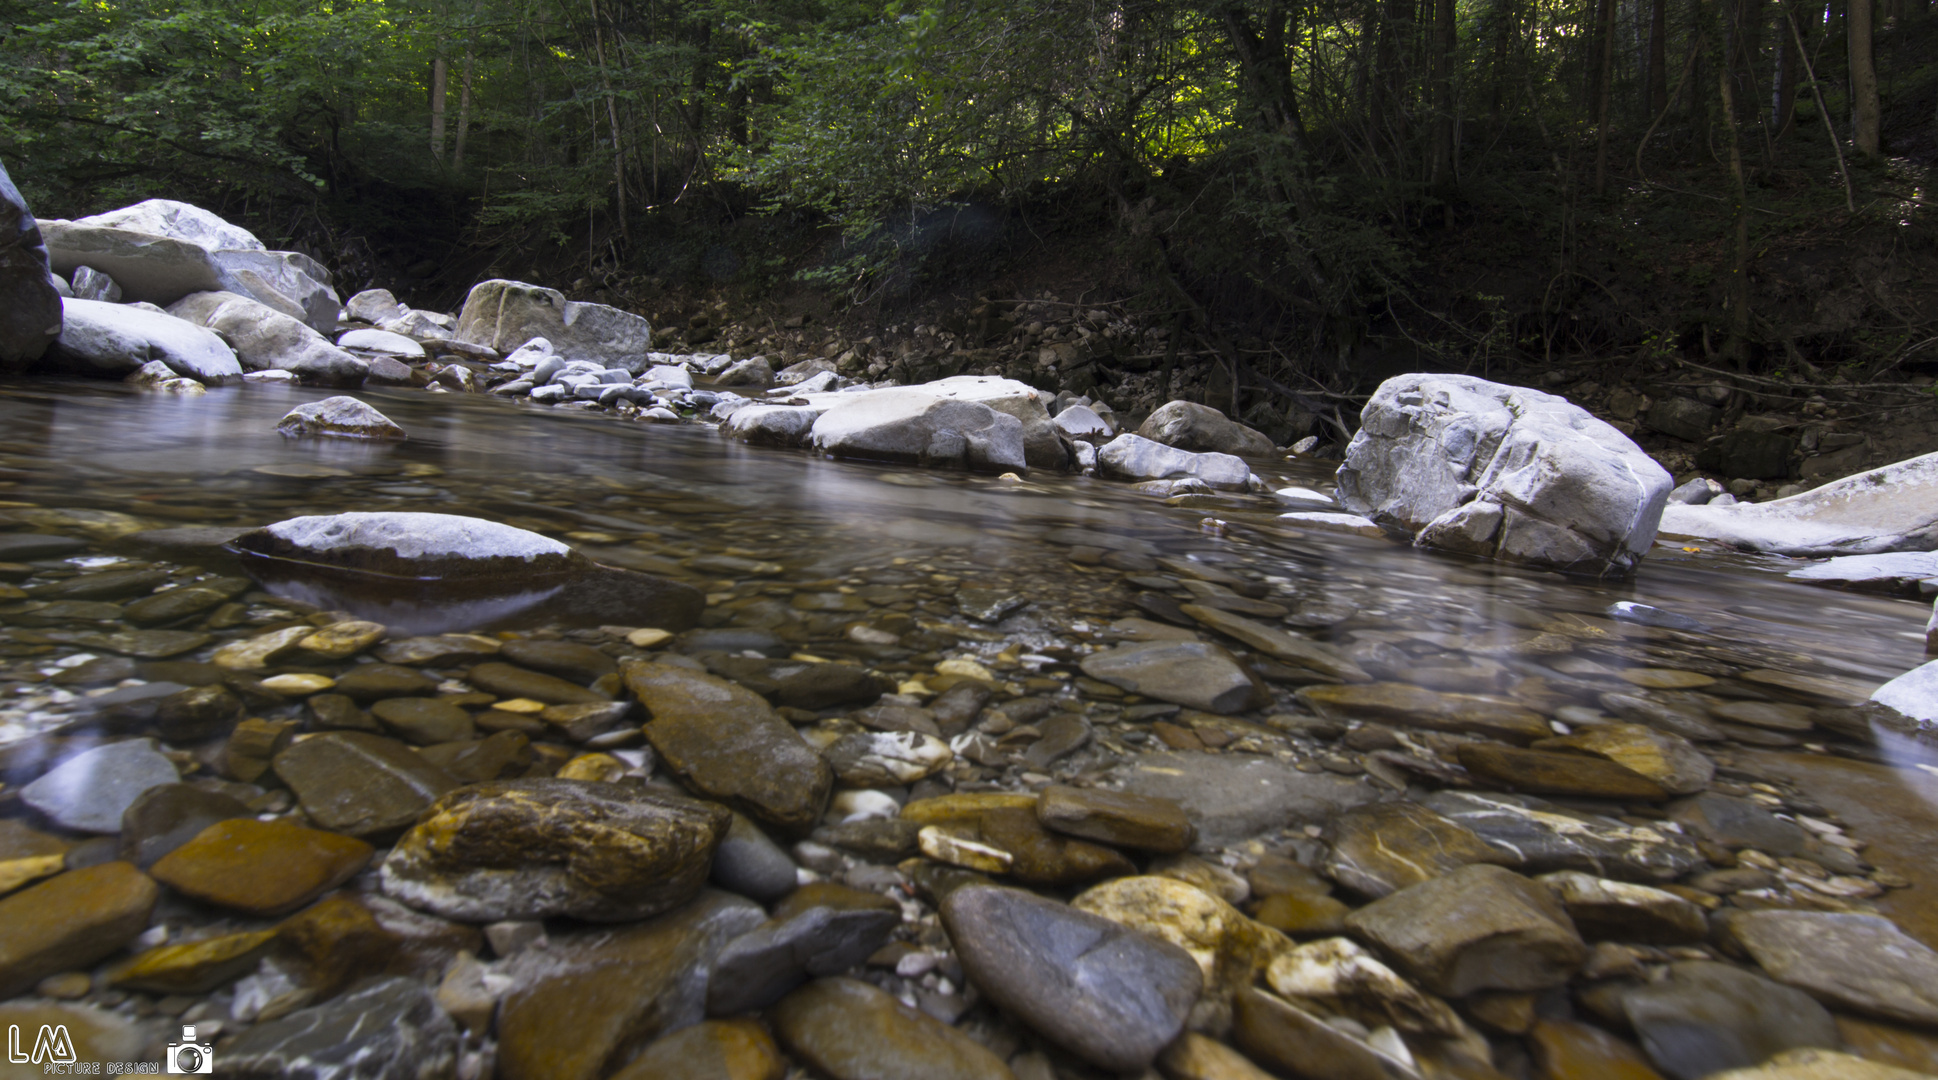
774	425
1201	428
30	304
289	281
1134	457
149	268
118	339
1042	445
178	221
1914	693
1894	508
505	314
265	338
910	424
1503	472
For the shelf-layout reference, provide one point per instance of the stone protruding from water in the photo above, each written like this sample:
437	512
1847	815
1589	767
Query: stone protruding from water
1503	472
30	305
503	315
340	417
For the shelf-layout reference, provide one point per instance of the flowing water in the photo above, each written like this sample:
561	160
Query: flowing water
808	549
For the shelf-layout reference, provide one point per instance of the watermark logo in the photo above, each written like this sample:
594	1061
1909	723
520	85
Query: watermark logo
51	1046
189	1055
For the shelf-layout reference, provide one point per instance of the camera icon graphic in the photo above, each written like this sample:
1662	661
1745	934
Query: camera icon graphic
189	1056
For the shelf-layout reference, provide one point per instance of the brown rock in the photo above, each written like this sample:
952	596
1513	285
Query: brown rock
1670	760
851	1031
500	754
1544	773
1618	911
1302	913
1476	928
714	1050
1117	818
338	941
1293	1042
1194	1057
193	967
566	659
511	681
361	784
71	921
1380	848
253	745
365	683
1564	1050
1407	706
726	742
424	721
262	867
1040	857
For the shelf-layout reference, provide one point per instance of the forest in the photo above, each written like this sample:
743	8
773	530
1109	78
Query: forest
1316	192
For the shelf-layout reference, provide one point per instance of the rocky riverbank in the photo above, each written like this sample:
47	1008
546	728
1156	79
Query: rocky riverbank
429	795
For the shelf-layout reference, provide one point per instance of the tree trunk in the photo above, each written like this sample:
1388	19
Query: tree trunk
1864	103
464	107
1737	294
1784	97
1658	57
1605	80
440	73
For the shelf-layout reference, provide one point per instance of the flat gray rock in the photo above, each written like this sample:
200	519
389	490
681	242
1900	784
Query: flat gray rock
910	425
1894	508
758	968
1540	837
1100	990
1196	674
1860	962
749	863
1133	457
1708	1017
382	342
89	791
504	314
266	338
1891	571
385	1029
1232	798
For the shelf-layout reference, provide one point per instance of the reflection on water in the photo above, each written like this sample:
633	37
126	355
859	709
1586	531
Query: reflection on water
681	501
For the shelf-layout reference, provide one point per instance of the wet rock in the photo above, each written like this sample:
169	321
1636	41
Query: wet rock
726	742
1879	510
424	721
194	967
886	759
1604	910
167	607
760	967
385	1029
116	339
500	754
1912	693
1859	962
96	1035
1407	706
1503	472
366	683
754	371
1105	993
714	1050
71	921
1202	429
589	1002
1351	982
1539	837
530	849
849	1030
1668	760
341	417
165	817
503	315
440	650
914	425
261	867
1229	949
1292	1041
1820	1065
255	653
509	681
819	686
1118	818
1733	822
1380	848
1040	857
91	790
1567	1050
1477	928
254	744
1707	1017
22	546
360	784
749	863
338	711
1133	457
1547	773
1194	674
568	660
198	713
1063	735
1193	1057
342	640
31	303
1233	797
1328	662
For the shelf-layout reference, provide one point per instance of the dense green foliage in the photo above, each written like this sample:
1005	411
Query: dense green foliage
1282	157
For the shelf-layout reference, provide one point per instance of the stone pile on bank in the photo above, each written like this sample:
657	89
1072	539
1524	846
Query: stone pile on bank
870	841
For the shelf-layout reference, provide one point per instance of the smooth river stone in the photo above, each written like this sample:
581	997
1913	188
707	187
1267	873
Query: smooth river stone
1229	949
1195	674
91	790
193	967
1094	987
588	1002
1280	644
1706	1017
1405	706
361	784
541	848
726	742
1538	836
1606	910
1381	848
261	867
386	1029
365	683
714	1050
511	681
849	1030
761	966
566	659
1859	962
1669	760
1477	928
71	921
1294	1042
166	817
424	721
1115	817
1544	773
